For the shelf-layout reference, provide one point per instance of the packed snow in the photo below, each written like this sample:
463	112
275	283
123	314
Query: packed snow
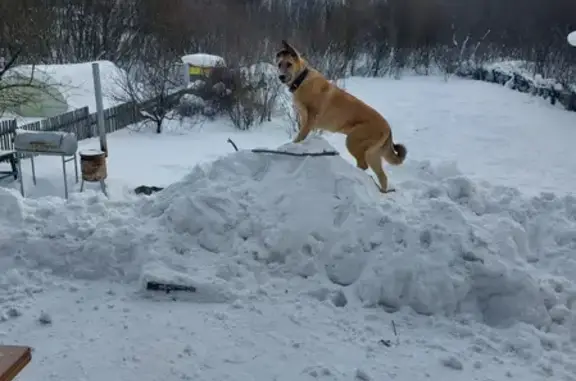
301	268
526	71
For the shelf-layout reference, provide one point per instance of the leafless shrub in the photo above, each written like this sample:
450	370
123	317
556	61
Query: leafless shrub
247	95
461	56
290	115
152	87
190	106
242	103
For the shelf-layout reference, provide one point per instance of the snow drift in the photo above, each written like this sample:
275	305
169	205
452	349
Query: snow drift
441	245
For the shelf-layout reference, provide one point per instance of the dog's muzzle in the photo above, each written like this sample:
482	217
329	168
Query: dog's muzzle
282	78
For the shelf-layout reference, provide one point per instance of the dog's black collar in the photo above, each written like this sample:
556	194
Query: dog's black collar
298	81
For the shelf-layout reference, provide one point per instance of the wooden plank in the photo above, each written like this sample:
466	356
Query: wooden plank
12	360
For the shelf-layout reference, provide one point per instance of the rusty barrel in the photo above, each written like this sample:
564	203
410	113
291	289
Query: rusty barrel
93	165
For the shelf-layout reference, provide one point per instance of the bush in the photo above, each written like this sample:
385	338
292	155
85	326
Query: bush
254	95
264	80
190	106
248	96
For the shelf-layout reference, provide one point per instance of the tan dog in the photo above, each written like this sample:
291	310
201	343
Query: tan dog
322	105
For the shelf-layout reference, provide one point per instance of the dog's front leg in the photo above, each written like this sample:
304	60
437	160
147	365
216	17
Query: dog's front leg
302	134
305	128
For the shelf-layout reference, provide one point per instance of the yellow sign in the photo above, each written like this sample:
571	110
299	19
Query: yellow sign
195	70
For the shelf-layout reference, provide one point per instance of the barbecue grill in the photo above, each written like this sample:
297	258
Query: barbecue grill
46	143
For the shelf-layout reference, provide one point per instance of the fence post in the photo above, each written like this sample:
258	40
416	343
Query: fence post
86	126
99	107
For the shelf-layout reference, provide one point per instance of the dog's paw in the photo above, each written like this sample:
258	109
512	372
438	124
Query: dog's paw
389	190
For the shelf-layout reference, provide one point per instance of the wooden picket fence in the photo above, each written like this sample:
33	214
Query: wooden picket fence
83	124
7	130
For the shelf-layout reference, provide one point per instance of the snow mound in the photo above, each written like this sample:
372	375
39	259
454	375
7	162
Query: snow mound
525	70
440	245
277	209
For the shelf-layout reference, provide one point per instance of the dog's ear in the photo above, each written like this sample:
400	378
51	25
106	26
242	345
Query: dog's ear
289	48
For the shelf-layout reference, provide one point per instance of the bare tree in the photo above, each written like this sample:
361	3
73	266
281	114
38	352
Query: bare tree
152	86
385	36
88	30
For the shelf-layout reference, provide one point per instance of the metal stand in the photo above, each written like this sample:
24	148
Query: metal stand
20	175
12	157
33	166
102	186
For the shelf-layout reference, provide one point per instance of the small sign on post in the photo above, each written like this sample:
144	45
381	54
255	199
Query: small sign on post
99	107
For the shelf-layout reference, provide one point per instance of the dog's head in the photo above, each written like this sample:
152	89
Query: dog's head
289	63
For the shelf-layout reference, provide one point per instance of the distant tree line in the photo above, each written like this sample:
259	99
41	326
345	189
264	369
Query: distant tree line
363	37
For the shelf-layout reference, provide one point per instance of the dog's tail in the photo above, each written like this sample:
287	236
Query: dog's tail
394	154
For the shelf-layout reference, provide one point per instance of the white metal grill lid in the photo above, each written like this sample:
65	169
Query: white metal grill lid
46	141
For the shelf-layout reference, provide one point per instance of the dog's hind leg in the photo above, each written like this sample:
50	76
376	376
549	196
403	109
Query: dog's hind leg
356	145
374	160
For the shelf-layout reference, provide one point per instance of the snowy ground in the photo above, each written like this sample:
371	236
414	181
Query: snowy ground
489	132
300	266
